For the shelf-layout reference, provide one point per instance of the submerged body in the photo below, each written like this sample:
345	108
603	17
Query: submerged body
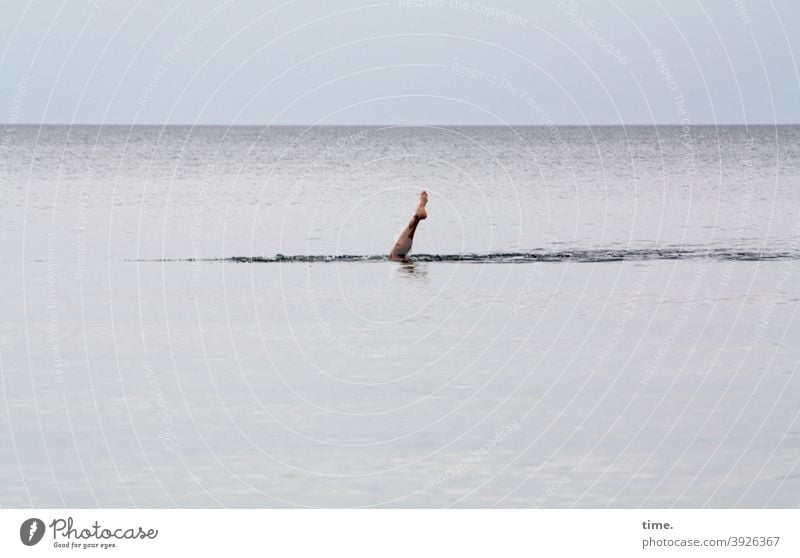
404	242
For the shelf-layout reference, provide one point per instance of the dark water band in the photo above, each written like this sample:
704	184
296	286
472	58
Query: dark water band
583	256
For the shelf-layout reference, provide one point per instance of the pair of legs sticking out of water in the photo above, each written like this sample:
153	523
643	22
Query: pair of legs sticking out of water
403	244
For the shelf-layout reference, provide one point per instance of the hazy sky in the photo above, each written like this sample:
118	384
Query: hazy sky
402	61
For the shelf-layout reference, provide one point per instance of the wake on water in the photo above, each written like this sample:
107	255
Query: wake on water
582	256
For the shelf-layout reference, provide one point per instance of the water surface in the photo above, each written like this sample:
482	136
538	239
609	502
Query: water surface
203	317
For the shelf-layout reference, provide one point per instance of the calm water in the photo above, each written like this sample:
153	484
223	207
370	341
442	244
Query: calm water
640	349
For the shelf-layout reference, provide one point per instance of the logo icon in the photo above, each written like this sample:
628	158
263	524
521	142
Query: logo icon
31	531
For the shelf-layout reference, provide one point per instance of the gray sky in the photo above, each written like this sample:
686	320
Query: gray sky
362	62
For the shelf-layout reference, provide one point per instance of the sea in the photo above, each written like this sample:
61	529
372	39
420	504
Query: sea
591	317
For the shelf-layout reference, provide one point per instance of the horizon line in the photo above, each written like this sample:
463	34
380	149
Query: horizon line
396	125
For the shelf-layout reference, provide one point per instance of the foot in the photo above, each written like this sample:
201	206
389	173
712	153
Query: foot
422	213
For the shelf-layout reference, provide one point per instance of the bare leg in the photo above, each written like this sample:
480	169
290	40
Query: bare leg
403	245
